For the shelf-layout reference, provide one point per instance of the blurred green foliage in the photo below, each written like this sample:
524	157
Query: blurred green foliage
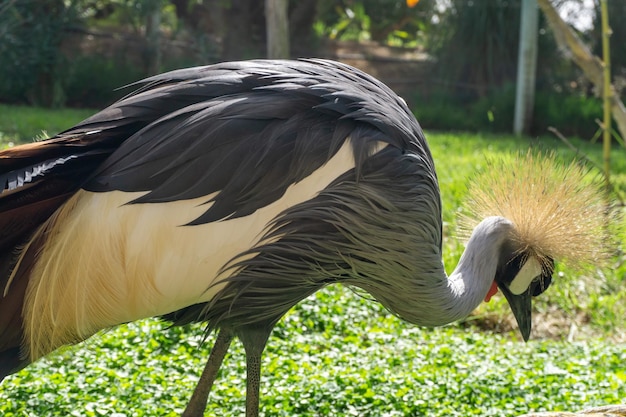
37	68
572	114
385	21
31	33
473	45
476	44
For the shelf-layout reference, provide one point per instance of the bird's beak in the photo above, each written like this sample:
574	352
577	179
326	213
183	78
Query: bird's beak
521	305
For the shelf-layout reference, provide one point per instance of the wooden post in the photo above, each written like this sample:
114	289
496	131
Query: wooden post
277	28
526	67
152	54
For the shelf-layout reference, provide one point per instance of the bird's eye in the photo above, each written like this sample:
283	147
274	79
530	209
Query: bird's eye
540	284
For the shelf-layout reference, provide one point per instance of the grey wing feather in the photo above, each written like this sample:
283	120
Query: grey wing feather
258	127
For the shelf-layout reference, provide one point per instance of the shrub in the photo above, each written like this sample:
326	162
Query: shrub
94	81
572	114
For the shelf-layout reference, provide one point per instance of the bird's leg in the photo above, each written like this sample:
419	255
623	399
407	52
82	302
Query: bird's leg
198	401
254	340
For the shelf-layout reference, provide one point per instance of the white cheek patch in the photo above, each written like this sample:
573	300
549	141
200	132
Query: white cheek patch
530	271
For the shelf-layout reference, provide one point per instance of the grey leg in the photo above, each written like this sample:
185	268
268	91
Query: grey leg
254	341
198	401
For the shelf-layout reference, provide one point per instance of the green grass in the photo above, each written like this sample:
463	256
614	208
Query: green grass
21	124
338	354
335	354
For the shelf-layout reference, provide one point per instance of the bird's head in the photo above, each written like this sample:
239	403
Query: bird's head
521	277
558	212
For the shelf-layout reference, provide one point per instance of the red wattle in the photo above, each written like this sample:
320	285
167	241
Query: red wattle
492	291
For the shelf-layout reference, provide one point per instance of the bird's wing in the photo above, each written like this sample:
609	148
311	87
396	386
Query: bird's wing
236	133
243	131
260	127
274	123
35	180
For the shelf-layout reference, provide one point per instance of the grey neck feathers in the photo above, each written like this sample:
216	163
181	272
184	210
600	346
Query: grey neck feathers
458	295
477	267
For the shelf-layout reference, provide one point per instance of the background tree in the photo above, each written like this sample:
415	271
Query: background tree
476	44
455	64
385	21
32	33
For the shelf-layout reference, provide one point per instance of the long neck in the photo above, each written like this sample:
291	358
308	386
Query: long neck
437	299
473	276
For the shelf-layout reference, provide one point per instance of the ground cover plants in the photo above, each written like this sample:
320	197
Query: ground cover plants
340	354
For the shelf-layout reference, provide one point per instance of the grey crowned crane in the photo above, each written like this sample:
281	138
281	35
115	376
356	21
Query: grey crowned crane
228	193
